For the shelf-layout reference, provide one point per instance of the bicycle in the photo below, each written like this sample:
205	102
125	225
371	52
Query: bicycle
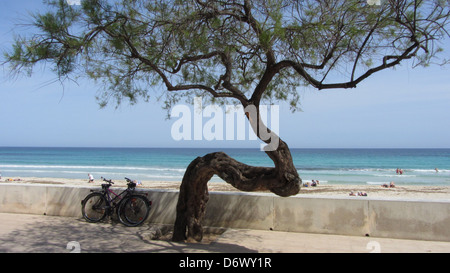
132	208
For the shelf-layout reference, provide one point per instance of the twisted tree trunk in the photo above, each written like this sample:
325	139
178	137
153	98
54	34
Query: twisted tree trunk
282	180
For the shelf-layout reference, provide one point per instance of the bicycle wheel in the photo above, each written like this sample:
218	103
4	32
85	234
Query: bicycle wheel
134	210
94	207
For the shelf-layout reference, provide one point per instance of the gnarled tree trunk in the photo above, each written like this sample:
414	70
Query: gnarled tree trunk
282	180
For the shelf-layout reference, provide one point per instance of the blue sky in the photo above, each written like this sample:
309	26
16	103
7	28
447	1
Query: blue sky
401	108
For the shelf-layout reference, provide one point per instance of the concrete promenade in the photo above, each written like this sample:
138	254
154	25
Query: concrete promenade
26	233
427	220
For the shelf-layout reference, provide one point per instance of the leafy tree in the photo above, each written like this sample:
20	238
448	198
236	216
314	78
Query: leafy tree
238	51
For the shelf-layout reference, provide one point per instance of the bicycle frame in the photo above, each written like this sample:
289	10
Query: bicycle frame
112	201
108	192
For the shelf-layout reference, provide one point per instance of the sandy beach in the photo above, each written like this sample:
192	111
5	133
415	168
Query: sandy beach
373	191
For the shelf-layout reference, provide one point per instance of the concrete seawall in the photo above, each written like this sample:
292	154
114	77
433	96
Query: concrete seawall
358	216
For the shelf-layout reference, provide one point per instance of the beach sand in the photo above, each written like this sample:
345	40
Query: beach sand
373	191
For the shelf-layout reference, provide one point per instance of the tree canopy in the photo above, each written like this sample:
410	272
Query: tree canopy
241	49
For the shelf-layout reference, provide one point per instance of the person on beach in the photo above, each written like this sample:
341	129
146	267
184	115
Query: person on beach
91	178
361	193
391	185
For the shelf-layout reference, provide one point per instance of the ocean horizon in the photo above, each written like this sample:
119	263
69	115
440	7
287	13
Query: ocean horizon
358	166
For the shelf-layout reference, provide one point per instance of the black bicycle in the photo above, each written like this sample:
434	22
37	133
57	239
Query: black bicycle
132	208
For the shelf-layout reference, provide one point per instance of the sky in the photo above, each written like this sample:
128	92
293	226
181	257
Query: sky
397	108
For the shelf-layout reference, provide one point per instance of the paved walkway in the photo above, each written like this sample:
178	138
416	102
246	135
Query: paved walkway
49	234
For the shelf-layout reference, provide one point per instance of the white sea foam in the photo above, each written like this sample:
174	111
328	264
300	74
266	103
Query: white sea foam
395	175
376	183
47	167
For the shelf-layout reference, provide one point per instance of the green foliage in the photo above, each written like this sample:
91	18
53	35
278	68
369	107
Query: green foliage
246	51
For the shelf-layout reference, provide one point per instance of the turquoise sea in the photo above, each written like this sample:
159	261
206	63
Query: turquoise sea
331	166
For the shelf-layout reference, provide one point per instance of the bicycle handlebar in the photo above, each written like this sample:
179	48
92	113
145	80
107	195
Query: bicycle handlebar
131	184
106	180
110	182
